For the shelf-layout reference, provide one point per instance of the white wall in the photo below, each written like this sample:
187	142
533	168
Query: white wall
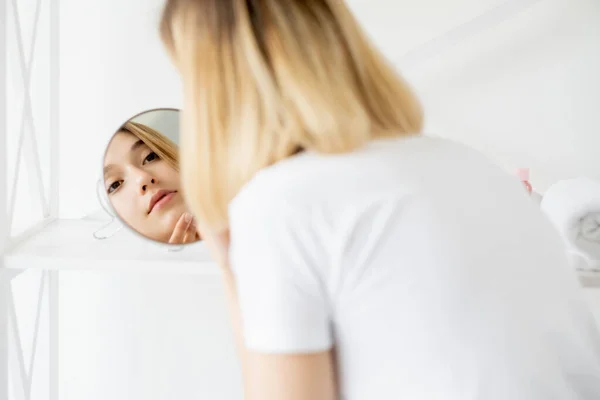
127	336
525	92
113	66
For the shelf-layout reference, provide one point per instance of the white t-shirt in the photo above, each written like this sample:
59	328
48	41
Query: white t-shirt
427	267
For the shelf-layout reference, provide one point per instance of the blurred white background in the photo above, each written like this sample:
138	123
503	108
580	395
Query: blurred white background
524	91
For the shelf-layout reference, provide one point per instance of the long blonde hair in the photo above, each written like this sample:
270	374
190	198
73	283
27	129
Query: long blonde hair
264	79
156	141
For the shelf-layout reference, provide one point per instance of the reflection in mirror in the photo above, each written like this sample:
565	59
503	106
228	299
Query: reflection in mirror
141	178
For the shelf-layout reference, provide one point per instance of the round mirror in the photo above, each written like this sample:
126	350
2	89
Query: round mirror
141	178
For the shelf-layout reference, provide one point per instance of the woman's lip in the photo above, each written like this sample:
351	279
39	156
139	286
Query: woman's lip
162	202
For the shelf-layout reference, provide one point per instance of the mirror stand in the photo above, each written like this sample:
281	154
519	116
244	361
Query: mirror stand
98	234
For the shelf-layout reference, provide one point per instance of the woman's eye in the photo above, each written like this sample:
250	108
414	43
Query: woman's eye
151	157
113	186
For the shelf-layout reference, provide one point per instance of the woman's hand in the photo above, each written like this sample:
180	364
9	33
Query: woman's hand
185	230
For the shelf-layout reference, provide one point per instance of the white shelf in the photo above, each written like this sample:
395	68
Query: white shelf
70	245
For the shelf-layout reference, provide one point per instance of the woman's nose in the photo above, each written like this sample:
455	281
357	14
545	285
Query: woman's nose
145	181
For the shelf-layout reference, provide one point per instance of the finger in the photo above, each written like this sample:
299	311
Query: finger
180	229
196	230
190	233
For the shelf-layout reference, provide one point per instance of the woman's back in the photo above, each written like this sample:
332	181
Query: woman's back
427	268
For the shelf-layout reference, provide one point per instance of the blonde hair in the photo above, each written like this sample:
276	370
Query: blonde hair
156	141
264	79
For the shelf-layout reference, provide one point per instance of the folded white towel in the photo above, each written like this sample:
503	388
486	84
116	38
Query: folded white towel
573	206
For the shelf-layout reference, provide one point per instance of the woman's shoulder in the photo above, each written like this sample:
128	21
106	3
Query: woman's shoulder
282	184
310	178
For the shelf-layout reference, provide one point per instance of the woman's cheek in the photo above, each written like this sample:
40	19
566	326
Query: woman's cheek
124	210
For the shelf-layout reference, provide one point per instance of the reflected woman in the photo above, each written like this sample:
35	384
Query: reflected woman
141	178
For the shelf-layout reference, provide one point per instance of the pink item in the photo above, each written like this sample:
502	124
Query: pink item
523	174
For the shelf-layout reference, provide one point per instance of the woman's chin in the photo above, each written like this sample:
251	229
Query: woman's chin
161	225
170	219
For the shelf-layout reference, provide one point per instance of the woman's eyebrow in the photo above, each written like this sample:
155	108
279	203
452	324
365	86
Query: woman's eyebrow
137	145
133	148
107	169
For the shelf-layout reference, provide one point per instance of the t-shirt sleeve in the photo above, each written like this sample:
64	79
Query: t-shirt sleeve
277	265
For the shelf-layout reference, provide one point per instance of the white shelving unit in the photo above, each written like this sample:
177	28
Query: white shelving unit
29	131
63	245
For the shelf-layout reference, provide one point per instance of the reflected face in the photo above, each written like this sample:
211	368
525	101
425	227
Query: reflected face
142	188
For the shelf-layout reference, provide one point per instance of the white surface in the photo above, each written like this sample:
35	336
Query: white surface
138	336
69	244
524	92
401	248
